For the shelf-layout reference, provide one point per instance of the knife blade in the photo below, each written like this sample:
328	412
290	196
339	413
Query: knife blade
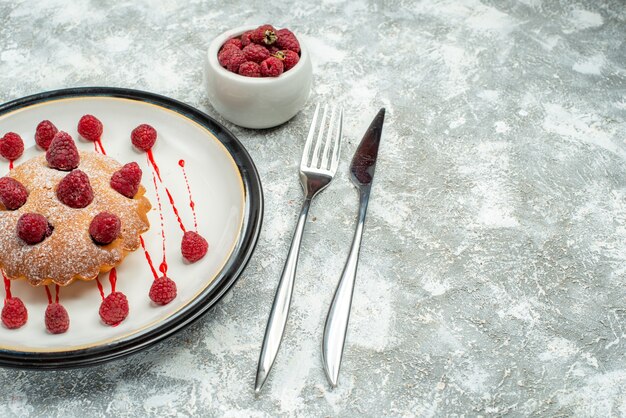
362	171
364	161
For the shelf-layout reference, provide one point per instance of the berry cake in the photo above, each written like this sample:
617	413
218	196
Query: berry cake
69	215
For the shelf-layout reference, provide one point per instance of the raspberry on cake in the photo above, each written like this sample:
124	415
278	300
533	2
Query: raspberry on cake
13	194
62	153
105	228
75	190
47	239
32	228
126	180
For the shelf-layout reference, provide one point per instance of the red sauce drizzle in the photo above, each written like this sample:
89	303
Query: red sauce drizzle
98	143
156	173
148	258
163	266
154	164
192	204
7	287
171	199
100	287
11	165
156	170
48	294
113	279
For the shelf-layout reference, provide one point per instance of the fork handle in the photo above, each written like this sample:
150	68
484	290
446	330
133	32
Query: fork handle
280	308
336	326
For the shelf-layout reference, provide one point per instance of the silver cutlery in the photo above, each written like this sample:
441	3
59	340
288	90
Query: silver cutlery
362	170
317	169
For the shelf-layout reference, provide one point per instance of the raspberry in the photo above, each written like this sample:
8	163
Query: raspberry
227	48
163	290
265	34
250	69
231	59
45	133
90	128
57	319
62	153
114	309
14	313
11	146
193	246
126	180
224	55
245	39
288	57
287	40
105	228
284	32
143	137
256	53
13	194
273	49
234	42
271	67
33	228
75	190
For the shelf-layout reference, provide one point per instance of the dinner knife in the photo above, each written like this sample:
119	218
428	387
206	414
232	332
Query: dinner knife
362	174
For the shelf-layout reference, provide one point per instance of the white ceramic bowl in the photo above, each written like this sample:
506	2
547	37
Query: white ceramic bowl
256	102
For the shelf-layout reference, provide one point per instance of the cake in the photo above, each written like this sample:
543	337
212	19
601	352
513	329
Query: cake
69	251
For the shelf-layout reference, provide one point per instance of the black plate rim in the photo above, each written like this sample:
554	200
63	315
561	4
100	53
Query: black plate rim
223	282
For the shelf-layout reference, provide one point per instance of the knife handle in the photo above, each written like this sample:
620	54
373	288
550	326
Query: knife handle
336	326
280	308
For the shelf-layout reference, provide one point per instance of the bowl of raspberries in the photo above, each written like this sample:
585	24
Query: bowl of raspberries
258	77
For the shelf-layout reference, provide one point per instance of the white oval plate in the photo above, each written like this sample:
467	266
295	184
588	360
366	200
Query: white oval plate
228	203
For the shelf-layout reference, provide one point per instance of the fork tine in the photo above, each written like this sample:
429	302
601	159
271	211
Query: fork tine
316	151
337	143
325	164
309	139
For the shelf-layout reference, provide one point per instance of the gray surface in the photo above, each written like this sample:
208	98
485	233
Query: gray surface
492	272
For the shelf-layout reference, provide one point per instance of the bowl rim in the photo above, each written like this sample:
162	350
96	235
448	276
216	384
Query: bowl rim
219	40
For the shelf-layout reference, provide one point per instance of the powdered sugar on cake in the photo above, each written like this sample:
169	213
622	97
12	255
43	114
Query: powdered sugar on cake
69	253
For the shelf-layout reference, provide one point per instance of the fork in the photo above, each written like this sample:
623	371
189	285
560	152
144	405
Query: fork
316	173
